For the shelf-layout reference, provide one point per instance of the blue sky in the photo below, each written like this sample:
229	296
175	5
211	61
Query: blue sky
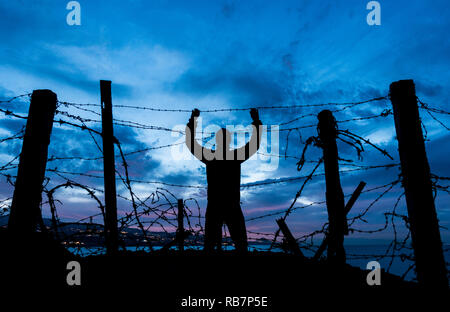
229	54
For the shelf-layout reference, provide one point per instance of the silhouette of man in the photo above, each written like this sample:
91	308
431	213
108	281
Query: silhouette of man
223	173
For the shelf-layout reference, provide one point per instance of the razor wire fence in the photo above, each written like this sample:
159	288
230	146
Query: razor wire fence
149	221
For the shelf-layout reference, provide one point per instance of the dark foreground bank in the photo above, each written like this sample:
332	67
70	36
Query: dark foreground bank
184	281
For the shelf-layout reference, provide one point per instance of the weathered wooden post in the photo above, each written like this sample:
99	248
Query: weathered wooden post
348	207
425	235
291	242
352	200
334	195
25	211
109	169
180	229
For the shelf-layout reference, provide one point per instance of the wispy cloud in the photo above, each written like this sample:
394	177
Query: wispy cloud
220	55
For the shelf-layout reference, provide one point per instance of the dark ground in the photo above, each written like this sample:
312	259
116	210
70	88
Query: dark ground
164	279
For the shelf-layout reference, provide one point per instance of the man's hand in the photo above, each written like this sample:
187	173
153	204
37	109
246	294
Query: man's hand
195	113
254	114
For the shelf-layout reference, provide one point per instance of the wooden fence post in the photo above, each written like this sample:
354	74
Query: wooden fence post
180	230
291	242
25	211
425	235
348	207
109	169
334	195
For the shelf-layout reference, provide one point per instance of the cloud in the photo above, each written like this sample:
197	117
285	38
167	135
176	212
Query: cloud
222	55
228	9
244	84
428	88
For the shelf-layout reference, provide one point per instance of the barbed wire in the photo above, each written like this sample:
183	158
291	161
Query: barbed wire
315	204
143	150
232	109
137	125
245	185
158	208
433	109
17	136
15	98
429	111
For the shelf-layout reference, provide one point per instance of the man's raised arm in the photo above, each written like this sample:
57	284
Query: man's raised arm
192	144
248	150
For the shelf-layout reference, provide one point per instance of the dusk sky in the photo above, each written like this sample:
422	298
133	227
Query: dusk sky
229	54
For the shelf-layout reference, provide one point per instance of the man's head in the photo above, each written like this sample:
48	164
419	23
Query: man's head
223	138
